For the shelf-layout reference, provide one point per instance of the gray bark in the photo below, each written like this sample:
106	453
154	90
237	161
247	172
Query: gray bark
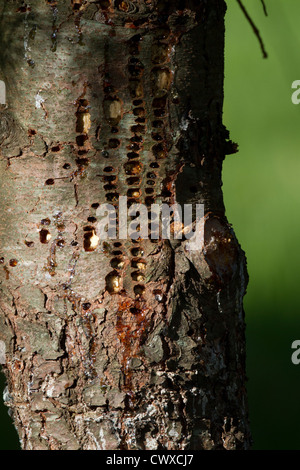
117	344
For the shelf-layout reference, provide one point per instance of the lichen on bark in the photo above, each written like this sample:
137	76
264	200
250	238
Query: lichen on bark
117	344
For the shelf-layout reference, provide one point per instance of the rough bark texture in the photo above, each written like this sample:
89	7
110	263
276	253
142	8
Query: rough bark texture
117	344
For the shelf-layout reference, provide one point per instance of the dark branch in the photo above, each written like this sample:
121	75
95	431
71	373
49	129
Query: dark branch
264	7
254	28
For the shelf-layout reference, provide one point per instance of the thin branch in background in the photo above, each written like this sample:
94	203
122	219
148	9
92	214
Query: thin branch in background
264	7
254	28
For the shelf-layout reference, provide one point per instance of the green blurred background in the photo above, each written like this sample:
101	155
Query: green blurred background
262	196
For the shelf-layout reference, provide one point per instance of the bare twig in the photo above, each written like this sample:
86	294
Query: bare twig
264	7
254	28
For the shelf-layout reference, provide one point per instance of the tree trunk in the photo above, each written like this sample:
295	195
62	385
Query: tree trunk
117	344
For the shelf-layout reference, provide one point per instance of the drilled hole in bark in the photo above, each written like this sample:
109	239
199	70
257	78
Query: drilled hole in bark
136	138
86	306
113	282
150	183
81	139
139	264
45	236
149	200
135	89
130	202
117	244
112	197
132	168
134	147
91	240
132	155
108	169
88	228
56	148
49	182
133	180
110	187
114	130
92	220
113	143
138	276
141	120
138	102
139	111
13	262
160	113
134	192
135	71
1	260
159	151
95	205
61	243
137	251
109	178
83	122
158	124
66	166
139	290
138	129
157	137
112	110
29	244
117	263
117	252
151	175
149	190
46	221
154	165
161	78
105	154
31	132
160	102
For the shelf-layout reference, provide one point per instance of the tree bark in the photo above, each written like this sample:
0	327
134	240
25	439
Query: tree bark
117	344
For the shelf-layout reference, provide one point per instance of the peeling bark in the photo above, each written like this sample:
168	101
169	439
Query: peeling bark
119	344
